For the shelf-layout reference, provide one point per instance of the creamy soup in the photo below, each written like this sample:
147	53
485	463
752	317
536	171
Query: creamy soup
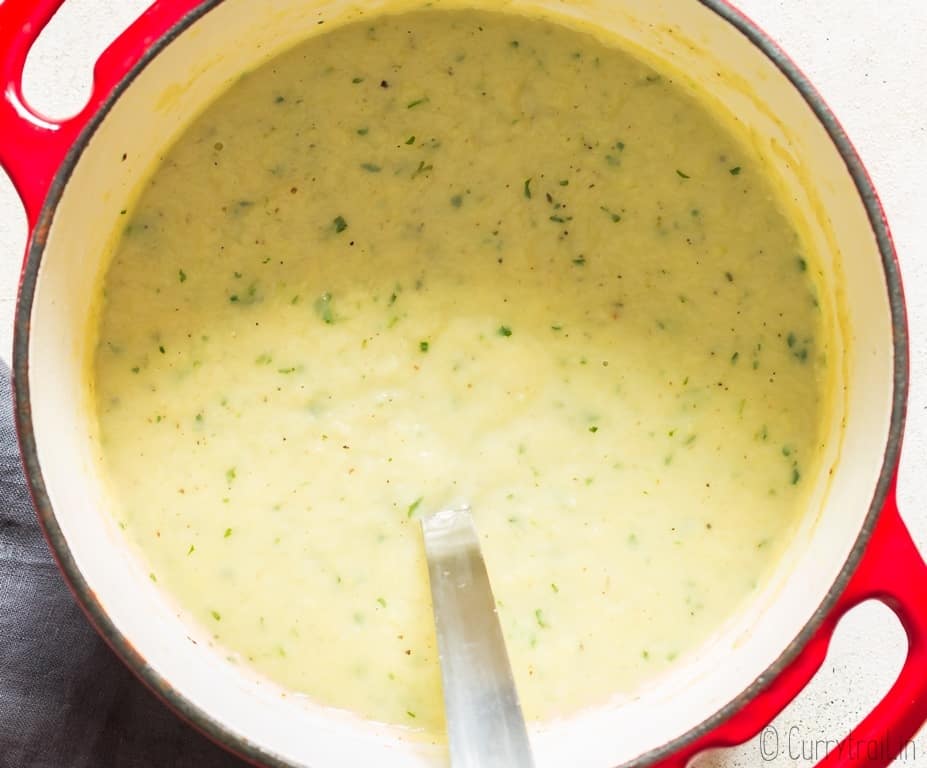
448	257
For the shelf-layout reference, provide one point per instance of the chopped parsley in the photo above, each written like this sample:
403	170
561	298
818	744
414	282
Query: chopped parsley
422	168
613	216
323	308
414	505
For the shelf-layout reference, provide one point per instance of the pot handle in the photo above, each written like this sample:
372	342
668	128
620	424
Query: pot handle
893	572
32	146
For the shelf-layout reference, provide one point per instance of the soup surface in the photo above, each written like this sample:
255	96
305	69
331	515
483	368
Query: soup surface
449	257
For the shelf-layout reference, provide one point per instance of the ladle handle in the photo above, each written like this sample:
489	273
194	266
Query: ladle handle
486	728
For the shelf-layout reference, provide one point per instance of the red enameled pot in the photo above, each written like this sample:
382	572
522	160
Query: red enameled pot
73	177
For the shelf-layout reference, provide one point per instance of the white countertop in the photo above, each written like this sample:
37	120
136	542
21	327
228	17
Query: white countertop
869	61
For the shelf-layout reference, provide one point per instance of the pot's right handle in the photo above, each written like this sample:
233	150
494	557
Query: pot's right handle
32	147
893	572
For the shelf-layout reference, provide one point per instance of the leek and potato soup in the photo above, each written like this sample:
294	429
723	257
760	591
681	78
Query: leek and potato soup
450	257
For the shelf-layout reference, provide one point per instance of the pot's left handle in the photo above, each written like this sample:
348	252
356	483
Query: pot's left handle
31	146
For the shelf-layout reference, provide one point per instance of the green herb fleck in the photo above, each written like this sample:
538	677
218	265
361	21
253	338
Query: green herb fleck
410	713
135	369
528	188
504	330
182	275
161	349
228	532
796	475
593	429
735	357
370	168
555	588
191	550
802	265
423	346
263	359
216	615
357	80
457	201
363	131
410	140
417	102
613	216
682	175
539	617
422	168
735	171
414	505
580	261
230	474
339	224
153	577
564	182
382	602
324	309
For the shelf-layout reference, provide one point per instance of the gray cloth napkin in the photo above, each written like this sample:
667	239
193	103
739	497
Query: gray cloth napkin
65	700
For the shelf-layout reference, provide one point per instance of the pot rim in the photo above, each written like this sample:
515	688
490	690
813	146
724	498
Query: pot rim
202	720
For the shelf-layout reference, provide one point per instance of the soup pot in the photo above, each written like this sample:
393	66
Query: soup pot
75	176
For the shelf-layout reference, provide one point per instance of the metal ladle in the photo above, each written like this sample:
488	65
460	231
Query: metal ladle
486	728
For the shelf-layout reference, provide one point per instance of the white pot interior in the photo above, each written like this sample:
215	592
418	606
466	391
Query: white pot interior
679	36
